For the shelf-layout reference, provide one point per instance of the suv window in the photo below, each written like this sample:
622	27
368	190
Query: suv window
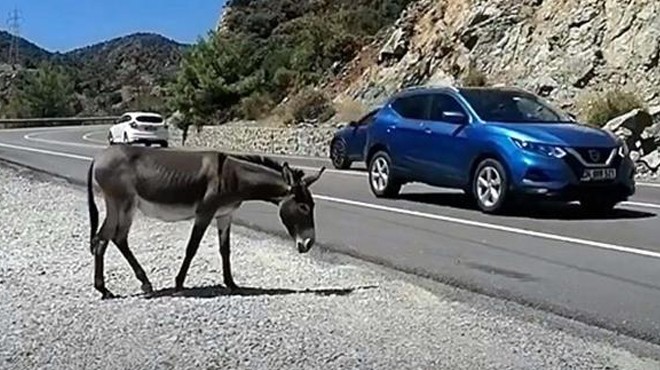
444	103
412	106
124	118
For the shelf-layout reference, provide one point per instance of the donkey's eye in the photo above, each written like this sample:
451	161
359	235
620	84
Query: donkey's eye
304	208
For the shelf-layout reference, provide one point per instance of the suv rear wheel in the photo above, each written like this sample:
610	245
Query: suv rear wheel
381	179
489	186
339	156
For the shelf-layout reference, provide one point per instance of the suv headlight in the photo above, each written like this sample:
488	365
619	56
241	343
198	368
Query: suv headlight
543	149
623	149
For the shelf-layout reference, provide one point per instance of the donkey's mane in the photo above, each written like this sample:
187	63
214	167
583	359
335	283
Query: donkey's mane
268	162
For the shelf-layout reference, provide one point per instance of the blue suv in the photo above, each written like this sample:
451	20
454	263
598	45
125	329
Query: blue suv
496	144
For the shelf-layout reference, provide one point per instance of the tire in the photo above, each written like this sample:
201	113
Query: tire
490	185
598	205
338	155
110	140
387	186
164	144
126	138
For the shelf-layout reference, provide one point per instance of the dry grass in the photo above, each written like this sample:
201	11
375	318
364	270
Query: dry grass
348	109
474	77
598	108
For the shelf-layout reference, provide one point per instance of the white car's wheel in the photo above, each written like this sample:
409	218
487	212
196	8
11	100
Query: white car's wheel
126	138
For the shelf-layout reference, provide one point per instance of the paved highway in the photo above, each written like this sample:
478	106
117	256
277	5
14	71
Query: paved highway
604	271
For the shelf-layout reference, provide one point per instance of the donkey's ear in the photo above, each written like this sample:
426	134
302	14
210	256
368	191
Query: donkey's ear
288	175
309	180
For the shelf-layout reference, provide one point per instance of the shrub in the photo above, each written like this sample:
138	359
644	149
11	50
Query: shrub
309	105
598	109
255	106
349	110
474	77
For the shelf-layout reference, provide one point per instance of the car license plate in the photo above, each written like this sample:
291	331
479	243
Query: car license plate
598	174
149	128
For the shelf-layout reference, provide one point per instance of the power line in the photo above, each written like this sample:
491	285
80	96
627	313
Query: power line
14	26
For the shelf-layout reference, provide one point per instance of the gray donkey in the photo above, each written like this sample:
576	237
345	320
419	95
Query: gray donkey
176	185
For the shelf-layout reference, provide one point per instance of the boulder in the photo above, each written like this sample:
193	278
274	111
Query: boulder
630	126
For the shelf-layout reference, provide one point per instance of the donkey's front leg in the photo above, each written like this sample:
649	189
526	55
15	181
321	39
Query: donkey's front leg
224	228
201	223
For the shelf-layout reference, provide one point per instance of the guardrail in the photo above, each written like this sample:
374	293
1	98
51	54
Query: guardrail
54	121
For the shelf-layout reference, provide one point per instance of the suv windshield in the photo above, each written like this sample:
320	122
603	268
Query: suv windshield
511	107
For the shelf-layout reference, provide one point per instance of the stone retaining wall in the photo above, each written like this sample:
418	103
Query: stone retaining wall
299	141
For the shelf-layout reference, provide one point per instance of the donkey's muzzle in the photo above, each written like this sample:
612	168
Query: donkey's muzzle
304	245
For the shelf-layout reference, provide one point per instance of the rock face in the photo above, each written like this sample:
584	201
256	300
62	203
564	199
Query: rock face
556	48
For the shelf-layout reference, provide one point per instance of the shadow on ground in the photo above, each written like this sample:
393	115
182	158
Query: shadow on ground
534	210
213	291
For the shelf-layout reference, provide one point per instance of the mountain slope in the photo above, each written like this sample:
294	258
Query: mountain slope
30	54
114	75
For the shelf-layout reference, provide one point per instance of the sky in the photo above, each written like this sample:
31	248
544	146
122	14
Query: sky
62	25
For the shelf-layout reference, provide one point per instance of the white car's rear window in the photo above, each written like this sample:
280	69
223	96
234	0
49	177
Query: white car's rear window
149	119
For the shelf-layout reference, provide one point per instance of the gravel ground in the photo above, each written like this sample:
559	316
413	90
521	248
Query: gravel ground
302	312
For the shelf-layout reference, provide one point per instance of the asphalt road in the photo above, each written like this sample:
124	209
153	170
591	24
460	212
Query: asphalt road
604	271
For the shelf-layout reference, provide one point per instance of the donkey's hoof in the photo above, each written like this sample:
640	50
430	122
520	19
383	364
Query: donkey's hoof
147	288
108	295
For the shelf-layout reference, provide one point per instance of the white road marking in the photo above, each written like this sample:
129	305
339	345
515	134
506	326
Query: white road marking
31	137
478	224
485	225
86	137
640	204
48	152
649	184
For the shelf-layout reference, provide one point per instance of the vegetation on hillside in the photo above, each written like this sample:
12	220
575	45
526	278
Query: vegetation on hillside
45	92
125	73
270	49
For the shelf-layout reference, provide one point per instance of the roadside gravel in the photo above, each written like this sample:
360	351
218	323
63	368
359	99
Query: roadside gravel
300	312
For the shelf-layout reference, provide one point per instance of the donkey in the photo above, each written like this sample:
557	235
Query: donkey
174	185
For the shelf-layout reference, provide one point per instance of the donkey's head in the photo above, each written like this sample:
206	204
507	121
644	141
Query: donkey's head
297	208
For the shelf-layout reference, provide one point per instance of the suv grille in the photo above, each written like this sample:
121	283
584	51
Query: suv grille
576	157
594	155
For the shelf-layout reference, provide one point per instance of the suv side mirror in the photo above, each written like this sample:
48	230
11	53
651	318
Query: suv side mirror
455	117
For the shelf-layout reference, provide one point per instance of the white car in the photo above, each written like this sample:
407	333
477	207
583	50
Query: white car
139	127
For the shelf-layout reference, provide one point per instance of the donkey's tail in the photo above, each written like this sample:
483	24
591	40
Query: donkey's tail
91	205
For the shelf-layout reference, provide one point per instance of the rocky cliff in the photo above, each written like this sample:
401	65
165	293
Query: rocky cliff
560	49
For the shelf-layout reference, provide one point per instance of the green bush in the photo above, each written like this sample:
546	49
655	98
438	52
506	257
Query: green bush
309	105
600	108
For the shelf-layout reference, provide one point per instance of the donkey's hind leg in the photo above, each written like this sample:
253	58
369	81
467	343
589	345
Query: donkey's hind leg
99	246
121	241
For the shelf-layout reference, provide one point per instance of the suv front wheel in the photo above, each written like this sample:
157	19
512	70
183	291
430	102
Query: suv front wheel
489	186
381	179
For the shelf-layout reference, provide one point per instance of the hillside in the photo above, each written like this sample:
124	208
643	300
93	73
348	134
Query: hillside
564	50
110	76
